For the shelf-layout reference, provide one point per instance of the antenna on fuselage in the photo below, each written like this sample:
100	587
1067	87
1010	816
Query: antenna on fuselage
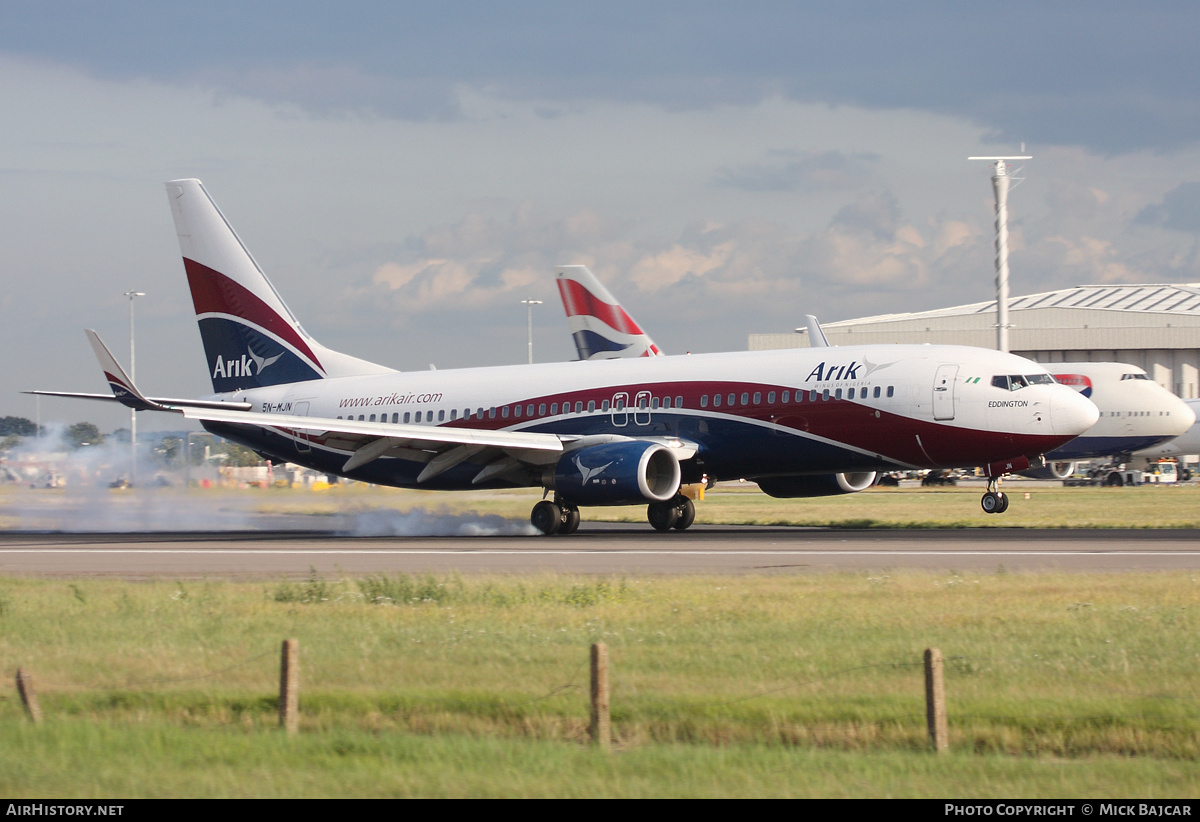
1000	185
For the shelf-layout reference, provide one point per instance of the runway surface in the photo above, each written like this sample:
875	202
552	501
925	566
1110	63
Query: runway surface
598	548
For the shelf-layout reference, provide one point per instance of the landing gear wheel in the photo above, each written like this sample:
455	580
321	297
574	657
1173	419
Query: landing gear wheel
991	502
1003	504
662	515
546	517
687	514
570	520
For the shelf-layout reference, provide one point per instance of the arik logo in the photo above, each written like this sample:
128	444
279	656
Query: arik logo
854	371
242	367
588	473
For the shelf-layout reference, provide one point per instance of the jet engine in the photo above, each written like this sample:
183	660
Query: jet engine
819	485
618	473
1051	470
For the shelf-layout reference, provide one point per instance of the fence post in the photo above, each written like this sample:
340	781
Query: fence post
28	697
601	729
935	701
289	687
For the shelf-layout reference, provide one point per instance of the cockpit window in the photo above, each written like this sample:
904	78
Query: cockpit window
1134	377
1015	382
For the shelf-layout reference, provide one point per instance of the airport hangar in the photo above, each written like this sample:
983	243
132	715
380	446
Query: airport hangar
1155	327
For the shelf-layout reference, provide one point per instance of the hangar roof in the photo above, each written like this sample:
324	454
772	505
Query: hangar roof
1163	298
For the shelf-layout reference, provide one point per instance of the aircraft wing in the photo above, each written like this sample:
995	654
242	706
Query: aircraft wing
439	447
126	393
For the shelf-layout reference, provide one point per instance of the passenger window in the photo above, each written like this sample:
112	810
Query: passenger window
891	391
812	395
591	406
360	417
666	402
492	413
503	412
441	415
517	412
770	398
679	402
641	403
553	408
418	416
850	394
825	395
542	409
876	392
786	396
654	402
838	396
578	407
716	400
453	414
704	400
371	418
529	410
604	405
732	400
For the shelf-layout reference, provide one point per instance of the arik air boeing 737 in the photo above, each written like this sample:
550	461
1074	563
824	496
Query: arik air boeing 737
802	422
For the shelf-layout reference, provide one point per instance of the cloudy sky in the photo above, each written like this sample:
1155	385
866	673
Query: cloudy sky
406	173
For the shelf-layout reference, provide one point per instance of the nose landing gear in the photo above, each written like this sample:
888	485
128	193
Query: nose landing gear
994	501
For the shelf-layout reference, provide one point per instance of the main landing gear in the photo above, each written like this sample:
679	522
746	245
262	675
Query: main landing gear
678	513
560	517
994	501
555	517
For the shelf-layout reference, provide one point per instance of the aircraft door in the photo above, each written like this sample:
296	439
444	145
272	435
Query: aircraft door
303	445
641	410
620	411
943	392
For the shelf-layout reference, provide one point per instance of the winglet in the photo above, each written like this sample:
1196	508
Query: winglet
816	337
120	383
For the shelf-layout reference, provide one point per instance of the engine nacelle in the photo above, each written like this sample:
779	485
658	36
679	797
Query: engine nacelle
817	485
618	473
1051	470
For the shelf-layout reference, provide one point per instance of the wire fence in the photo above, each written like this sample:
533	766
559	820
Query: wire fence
600	695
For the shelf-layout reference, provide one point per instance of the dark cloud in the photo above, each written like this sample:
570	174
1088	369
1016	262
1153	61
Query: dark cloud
1109	76
1179	209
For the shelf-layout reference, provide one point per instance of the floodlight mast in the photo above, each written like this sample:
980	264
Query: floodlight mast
1000	183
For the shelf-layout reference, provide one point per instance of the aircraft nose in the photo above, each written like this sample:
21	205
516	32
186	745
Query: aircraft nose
1182	417
1071	413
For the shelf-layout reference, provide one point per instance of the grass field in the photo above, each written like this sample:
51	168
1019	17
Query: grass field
1048	505
1057	685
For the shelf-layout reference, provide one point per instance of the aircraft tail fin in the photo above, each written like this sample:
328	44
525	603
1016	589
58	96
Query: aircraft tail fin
602	329
250	337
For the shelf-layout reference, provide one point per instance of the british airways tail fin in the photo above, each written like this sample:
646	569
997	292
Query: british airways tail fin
602	329
250	337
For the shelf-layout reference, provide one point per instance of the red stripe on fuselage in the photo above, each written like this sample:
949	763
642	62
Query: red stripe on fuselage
847	422
214	293
578	300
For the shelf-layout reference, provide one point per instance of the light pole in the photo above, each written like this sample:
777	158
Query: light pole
133	378
529	304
